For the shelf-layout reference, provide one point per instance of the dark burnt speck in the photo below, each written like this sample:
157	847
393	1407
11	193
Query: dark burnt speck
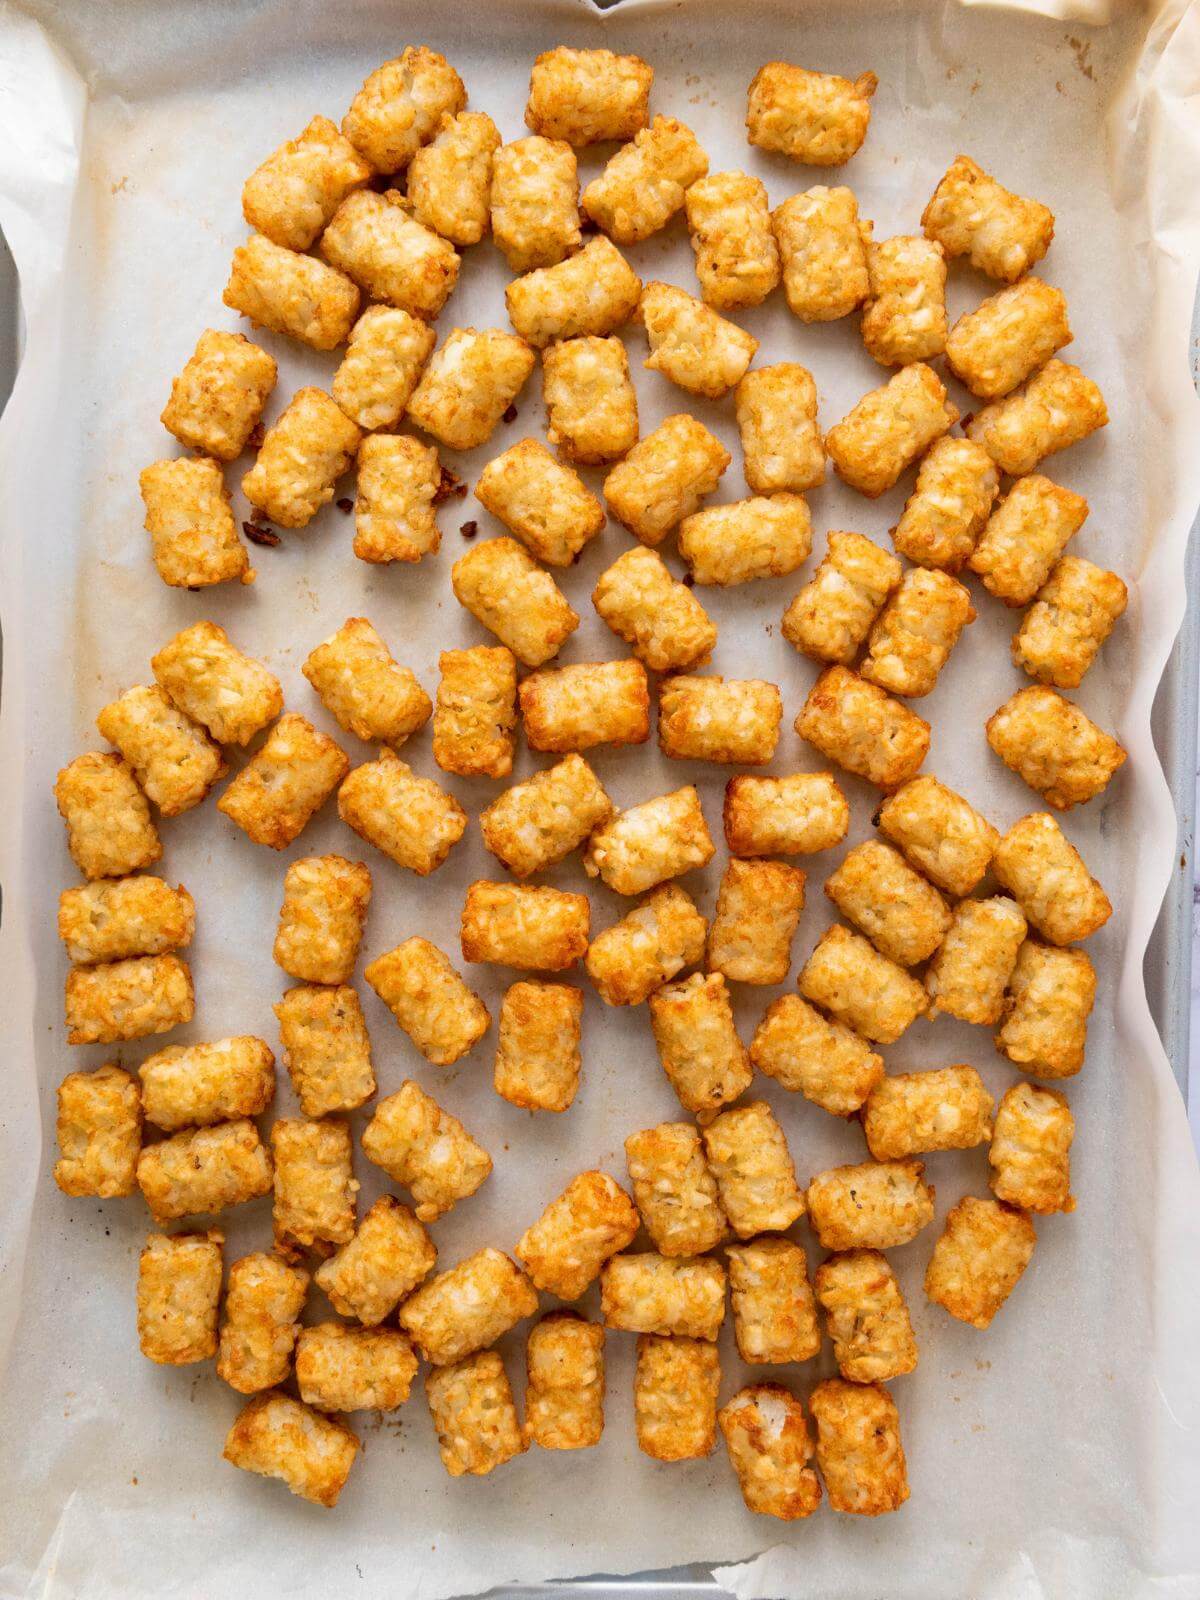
688	581
345	505
469	530
510	413
259	533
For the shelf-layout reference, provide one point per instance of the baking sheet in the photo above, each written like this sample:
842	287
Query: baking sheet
1057	1454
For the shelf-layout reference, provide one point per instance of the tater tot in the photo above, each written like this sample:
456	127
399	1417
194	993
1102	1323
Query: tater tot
219	396
876	1205
1040	866
858	1447
756	1178
326	1049
564	1396
501	585
705	1062
1050	996
173	758
369	692
390	255
832	615
591	404
645	182
956	487
1058	407
263	1302
664	477
647	948
387	1258
314	1185
354	1369
814	117
425	1150
429	1000
939	832
547	505
767	536
909	1113
109	830
450	178
474	726
913	635
384	359
782	447
292	195
470	382
823	251
588	96
189	518
970	214
649	1293
291	293
690	344
797	815
675	1192
204	1170
1030	1153
675	1396
737	258
758	908
572	708
307	449
640	848
474	1415
902	915
325	900
398	482
890	428
116	1000
864	730
535	202
719	719
400	105
215	684
866	1316
994	348
774	1313
564	1250
1050	743
663	622
592	292
111	921
968	976
1024	537
99	1131
468	1307
769	1448
904	317
977	1262
533	927
860	987
413	820
279	1437
824	1061
537	1050
179	1285
1075	611
537	823
194	1085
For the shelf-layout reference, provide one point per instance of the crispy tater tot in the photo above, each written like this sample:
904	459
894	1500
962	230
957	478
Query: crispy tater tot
572	708
194	1085
387	1258
994	348
565	1248
547	505
594	291
1075	611
354	1369
471	380
675	1396
690	344
823	251
591	404
797	815
536	823
968	976
645	182
904	317
913	635
1050	743
384	359
174	760
814	117
864	730
984	1248
450	179
832	615
876	1205
189	518
1040	866
860	987
1058	407
676	1194
858	1447
204	1170
501	585
664	477
649	1293
210	680
705	1062
737	258
116	1000
533	927
291	293
756	1178
764	537
325	900
769	1448
179	1285
429	1000
1030	1154
957	484
293	194
263	1302
326	1049
902	915
282	1438
398	482
866	1316
647	948
474	1415
774	1313
970	214
663	838
400	105
776	411
909	1113
109	831
537	1049
1050	996
564	1395
412	820
890	428
588	96
824	1061
758	908
939	832
123	917
535	202
424	1149
662	621
307	449
314	1185
99	1131
474	727
719	719
369	692
219	396
468	1307
1024	537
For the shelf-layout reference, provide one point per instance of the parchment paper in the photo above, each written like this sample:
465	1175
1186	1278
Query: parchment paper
1057	1455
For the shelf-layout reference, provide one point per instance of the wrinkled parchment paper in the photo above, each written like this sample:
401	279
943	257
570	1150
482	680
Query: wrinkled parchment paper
1057	1455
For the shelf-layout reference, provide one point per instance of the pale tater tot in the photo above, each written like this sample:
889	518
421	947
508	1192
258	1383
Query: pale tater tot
214	683
535	202
532	927
832	615
450	178
1038	864
774	1313
279	1437
354	1369
647	948
314	1185
429	1000
474	1415
864	730
662	621
400	106
387	1258
758	908
756	1178
675	1192
117	1000
384	359
392	257
915	632
179	1286
645	182
824	1061
904	317
725	720
705	1062
663	838
547	505
413	820
219	396
424	1149
1050	996
365	688
99	1131
564	1250
797	815
1030	1153
173	758
782	447
957	485
737	258
968	976
866	1317
890	428
994	348
972	215
326	1049
909	1113
1058	407
767	536
817	118
592	292
977	1262
588	96
1057	749
537	1049
325	900
194	1085
537	823
109	830
263	1302
189	518
591	404
468	1307
823	251
860	987
902	915
474	726
649	1293
111	921
675	1396
1024	537
204	1170
307	449
769	1448
502	586
690	344
291	293
398	483
1075	611
858	1447
572	708
875	1205
471	380
939	832
564	1395
664	477
285	783
293	194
